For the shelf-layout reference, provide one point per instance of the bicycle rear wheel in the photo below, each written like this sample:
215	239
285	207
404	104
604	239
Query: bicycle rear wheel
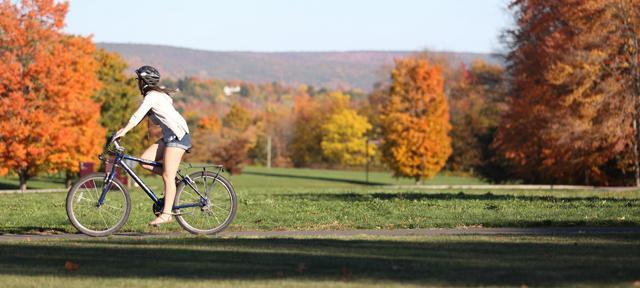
213	203
89	218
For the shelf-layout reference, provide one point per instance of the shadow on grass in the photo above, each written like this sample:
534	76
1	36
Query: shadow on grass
11	183
33	230
463	261
318	178
8	186
454	196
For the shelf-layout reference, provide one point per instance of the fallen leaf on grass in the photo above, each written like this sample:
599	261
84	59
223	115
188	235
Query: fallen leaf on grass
345	274
70	266
301	267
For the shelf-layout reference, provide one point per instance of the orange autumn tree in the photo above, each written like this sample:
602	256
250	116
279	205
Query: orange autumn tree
415	120
304	146
210	124
48	122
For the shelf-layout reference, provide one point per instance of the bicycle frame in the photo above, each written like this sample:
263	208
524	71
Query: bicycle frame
118	162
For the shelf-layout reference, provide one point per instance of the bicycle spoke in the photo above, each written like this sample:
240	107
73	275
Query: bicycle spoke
82	193
85	200
95	187
110	214
220	202
214	216
218	206
102	217
109	206
88	217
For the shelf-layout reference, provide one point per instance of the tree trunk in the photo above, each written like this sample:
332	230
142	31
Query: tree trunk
636	161
67	179
635	72
269	151
23	180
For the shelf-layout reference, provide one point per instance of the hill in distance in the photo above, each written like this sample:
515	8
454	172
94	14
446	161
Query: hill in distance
352	69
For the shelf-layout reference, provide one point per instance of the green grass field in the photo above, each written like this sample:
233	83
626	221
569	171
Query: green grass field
280	177
304	199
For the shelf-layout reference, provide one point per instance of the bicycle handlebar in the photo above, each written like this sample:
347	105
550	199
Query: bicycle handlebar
118	147
115	143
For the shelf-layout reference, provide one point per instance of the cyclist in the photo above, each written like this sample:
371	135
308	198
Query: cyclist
158	104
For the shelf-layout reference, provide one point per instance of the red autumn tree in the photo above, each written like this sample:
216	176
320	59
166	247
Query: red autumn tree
48	121
574	93
305	142
415	120
476	98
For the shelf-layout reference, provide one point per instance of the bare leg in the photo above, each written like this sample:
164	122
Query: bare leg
155	152
172	158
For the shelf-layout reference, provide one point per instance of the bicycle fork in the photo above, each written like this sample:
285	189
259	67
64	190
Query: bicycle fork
109	180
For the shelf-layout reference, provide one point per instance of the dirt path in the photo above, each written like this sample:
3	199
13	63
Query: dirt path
347	233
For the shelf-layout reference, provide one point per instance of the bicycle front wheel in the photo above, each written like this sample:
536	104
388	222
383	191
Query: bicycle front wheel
98	220
208	205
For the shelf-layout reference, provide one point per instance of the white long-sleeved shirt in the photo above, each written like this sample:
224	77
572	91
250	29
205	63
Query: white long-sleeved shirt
164	114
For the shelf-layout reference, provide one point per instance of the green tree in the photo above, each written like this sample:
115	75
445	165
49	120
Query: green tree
120	97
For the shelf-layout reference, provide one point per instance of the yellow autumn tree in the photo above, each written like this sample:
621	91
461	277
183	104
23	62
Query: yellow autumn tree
238	118
415	120
344	139
309	114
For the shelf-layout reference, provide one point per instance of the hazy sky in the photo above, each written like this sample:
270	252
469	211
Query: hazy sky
295	25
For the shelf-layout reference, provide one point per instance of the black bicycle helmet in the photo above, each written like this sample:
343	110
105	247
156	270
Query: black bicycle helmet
149	75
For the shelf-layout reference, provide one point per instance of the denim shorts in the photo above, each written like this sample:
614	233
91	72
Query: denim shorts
171	140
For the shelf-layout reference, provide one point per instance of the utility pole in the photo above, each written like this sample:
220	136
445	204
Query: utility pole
366	153
269	151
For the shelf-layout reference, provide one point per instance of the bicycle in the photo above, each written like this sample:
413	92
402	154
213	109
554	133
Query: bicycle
99	204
